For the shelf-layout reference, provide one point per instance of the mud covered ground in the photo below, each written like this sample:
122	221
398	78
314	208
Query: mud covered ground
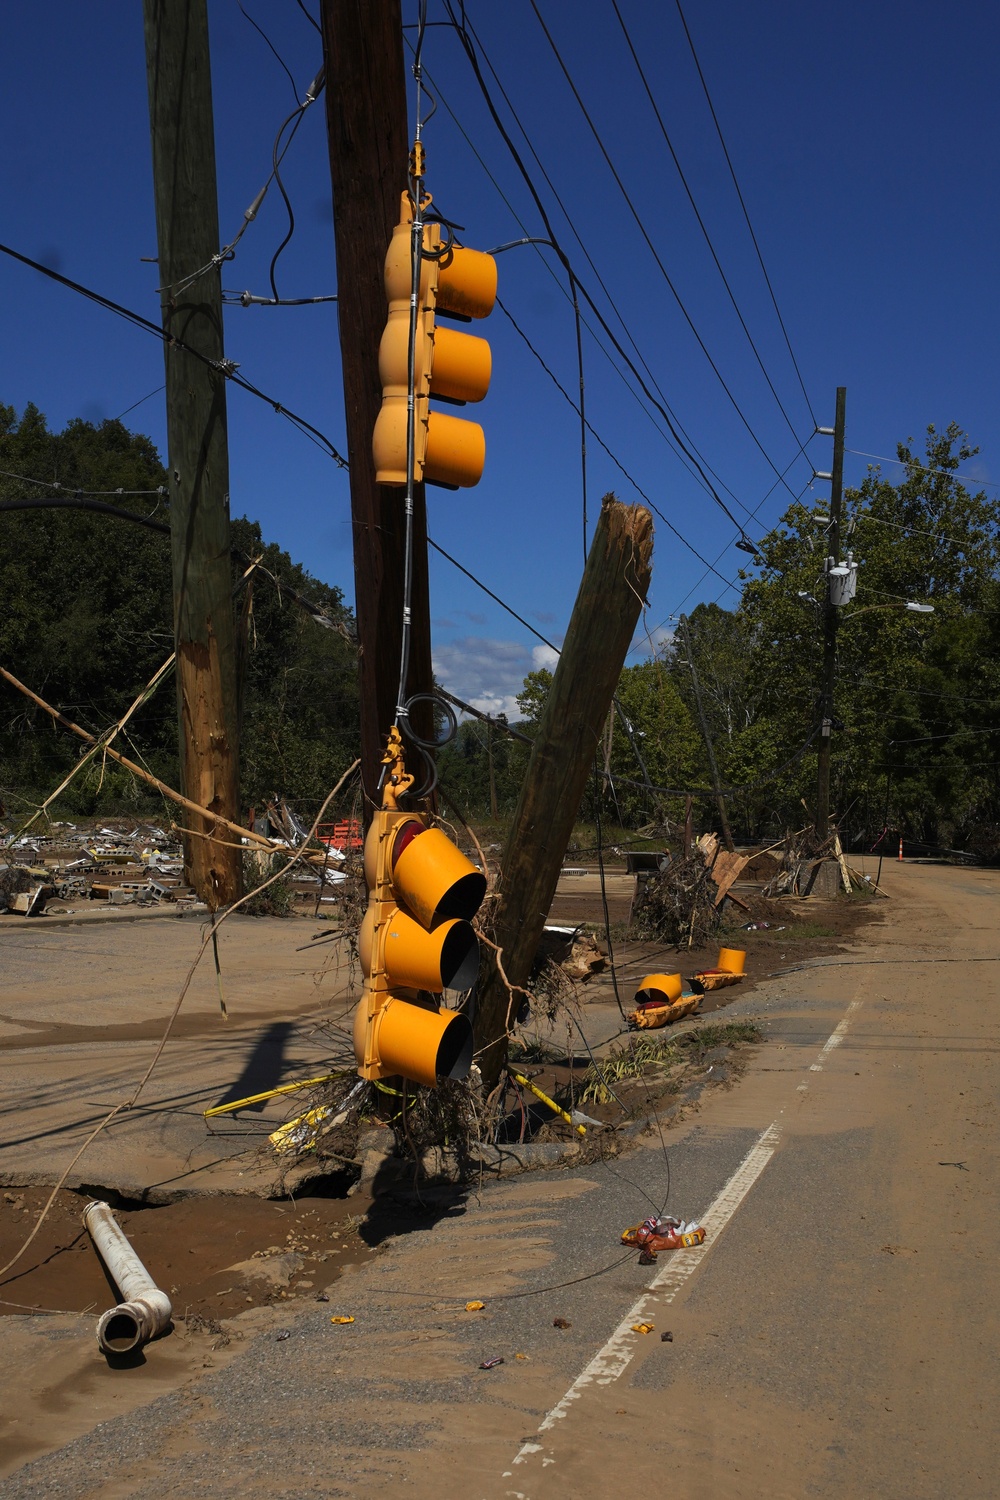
214	1256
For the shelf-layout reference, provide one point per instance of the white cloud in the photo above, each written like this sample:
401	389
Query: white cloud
485	672
543	656
493	704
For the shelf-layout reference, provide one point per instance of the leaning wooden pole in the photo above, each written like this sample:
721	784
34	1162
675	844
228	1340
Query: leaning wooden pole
187	232
612	593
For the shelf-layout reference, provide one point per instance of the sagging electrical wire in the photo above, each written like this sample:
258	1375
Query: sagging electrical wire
225	367
228	252
101	507
76	491
600	280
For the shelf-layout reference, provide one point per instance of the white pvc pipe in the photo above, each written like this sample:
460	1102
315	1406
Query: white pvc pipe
145	1310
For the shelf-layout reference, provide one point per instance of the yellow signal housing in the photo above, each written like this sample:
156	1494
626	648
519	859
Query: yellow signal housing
663	988
456	366
416	940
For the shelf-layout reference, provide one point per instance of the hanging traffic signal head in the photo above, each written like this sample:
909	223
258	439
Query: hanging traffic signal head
454	366
416	940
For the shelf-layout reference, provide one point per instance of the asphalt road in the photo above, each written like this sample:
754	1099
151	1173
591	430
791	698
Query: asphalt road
836	1337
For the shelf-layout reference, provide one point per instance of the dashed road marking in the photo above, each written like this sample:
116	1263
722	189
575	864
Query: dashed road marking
610	1362
616	1355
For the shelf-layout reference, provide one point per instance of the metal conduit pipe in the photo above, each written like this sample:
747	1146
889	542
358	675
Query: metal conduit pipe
145	1310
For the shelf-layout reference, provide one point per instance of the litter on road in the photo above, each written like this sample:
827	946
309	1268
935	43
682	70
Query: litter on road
656	1234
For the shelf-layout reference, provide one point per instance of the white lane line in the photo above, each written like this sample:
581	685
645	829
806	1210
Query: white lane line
835	1038
616	1355
610	1361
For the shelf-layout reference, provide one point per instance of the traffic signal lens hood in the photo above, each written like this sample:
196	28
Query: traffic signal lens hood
663	988
435	880
467	283
423	1045
446	958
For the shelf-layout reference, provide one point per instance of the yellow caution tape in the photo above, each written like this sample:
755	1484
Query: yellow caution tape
285	1088
527	1083
286	1137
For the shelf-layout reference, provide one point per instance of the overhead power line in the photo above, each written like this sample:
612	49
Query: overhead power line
72	489
537	242
697	213
224	367
652	247
746	212
470	52
598	277
904	463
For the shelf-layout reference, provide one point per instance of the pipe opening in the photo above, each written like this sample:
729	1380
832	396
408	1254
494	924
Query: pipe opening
120	1334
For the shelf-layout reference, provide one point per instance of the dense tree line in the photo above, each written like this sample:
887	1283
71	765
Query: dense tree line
918	725
85	621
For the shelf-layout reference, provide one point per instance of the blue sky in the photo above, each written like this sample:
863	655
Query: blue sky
865	143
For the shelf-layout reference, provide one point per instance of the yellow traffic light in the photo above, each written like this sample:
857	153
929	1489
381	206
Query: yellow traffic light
455	366
416	940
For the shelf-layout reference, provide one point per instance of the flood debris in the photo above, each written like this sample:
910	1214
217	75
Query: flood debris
662	999
145	1311
127	865
681	900
662	1233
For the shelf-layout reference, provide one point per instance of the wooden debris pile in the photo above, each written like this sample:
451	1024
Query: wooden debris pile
681	903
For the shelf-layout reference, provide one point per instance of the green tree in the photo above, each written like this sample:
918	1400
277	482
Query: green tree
86	621
914	691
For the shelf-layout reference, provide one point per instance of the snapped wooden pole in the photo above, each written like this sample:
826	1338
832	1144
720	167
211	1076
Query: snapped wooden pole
612	593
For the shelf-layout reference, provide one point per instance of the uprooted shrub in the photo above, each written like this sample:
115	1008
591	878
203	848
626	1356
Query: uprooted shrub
676	905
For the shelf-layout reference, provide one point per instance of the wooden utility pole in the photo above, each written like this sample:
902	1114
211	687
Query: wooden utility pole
369	149
831	620
612	591
187	230
713	768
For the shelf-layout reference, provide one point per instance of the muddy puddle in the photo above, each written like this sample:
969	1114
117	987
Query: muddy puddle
214	1256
